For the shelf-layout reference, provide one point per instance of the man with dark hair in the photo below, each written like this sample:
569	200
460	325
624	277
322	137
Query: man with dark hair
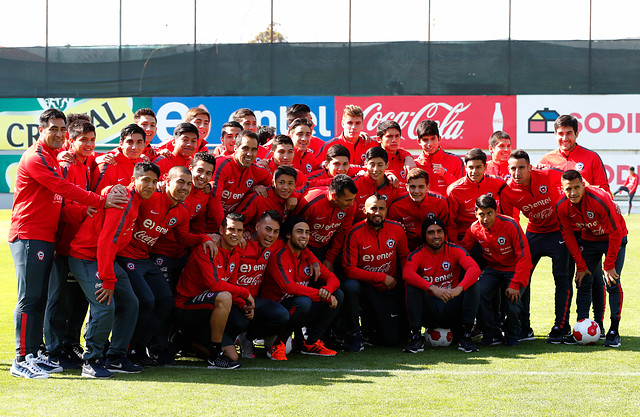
283	154
535	193
416	205
236	175
300	133
570	155
630	186
66	306
246	118
374	181
204	295
281	190
506	251
201	119
228	137
337	162
113	304
185	143
289	281
446	166
127	155
329	212
438	293
462	193
147	120
592	211
265	134
374	249
37	201
352	137
302	111
269	317
500	149
400	161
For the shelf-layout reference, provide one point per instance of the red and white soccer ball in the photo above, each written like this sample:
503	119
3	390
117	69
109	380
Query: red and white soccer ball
439	337
586	332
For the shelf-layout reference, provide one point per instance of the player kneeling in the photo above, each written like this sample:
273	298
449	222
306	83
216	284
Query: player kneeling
438	294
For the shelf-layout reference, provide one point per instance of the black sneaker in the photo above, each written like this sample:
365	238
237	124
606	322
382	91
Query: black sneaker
555	336
416	344
352	343
602	335
569	340
95	369
526	335
612	340
75	353
511	341
142	358
493	341
123	365
222	361
466	345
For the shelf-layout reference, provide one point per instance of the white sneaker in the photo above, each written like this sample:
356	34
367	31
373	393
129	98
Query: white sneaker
27	369
47	364
246	346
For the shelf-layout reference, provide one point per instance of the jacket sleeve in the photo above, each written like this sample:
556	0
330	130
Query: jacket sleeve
110	233
338	238
471	268
183	236
213	281
278	270
523	263
410	271
569	237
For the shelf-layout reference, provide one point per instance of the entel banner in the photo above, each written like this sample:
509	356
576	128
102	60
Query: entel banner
270	111
464	122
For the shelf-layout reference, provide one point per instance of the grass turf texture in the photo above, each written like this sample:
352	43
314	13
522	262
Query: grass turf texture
533	379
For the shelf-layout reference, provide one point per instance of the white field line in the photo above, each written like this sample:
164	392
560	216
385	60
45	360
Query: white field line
425	371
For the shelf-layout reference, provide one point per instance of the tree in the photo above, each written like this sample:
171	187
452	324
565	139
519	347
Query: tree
265	36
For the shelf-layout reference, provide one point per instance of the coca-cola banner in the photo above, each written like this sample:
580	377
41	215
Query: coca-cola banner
605	121
465	122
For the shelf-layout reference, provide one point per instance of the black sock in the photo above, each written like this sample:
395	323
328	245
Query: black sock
416	331
19	358
614	326
215	349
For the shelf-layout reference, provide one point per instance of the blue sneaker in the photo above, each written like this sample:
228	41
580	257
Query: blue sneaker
95	369
27	369
123	365
47	363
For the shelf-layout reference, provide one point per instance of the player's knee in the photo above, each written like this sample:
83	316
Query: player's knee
224	300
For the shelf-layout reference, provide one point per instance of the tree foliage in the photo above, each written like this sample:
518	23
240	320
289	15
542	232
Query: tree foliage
265	36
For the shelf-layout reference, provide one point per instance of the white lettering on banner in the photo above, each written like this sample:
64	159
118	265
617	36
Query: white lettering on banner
269	115
450	128
164	123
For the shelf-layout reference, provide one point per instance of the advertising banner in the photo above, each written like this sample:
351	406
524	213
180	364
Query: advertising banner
270	111
605	121
19	117
465	122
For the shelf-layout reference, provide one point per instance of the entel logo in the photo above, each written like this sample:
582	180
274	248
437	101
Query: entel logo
244	268
502	240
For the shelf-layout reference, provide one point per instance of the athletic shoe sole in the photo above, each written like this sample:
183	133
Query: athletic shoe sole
228	367
317	354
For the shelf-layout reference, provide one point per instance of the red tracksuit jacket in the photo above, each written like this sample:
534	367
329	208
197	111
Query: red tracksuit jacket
166	162
370	255
253	264
73	214
357	150
254	205
104	235
203	273
396	165
326	221
40	188
305	162
581	159
598	219
231	182
498	170
107	174
411	215
537	202
366	187
156	217
425	268
453	164
462	195
289	275
504	247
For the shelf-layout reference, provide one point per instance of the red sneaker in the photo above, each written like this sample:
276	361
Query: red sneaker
278	352
317	349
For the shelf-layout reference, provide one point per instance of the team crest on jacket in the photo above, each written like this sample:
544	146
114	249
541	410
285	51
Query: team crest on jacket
384	197
307	271
502	240
403	174
267	253
198	207
173	221
579	166
249	182
232	266
431	215
131	266
309	168
391	243
590	214
543	189
446	265
340	215
490	194
40	255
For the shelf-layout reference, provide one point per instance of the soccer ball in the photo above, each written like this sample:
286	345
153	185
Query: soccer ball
586	332
439	337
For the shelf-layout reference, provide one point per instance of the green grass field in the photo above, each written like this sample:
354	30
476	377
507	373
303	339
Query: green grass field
533	379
